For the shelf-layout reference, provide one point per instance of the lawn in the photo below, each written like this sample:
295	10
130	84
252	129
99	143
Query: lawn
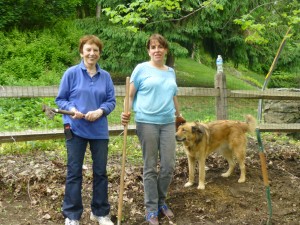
190	73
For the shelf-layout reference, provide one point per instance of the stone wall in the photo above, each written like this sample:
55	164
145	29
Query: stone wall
282	111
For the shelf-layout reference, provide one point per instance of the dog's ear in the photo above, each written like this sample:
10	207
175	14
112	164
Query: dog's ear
199	131
195	129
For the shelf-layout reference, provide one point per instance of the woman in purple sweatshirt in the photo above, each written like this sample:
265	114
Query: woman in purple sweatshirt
88	91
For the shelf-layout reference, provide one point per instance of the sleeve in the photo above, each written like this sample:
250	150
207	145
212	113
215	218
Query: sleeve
109	105
135	76
62	98
176	90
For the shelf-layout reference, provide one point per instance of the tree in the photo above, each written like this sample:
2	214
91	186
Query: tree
266	24
144	16
245	32
25	14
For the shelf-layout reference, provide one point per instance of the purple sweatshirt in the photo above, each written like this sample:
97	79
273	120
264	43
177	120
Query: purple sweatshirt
77	89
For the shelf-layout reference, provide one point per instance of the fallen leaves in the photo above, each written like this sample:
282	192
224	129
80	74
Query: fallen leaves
39	178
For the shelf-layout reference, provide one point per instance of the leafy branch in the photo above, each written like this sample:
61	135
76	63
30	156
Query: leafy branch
257	23
148	12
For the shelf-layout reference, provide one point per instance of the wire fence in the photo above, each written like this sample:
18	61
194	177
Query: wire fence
22	116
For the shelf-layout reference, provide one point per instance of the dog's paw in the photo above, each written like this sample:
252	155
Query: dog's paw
201	187
188	184
225	174
242	180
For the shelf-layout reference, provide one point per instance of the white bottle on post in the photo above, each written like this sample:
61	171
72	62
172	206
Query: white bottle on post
219	63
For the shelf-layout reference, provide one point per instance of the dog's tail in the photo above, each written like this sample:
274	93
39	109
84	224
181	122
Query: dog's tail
251	122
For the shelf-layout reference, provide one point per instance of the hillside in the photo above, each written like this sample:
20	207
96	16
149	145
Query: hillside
193	74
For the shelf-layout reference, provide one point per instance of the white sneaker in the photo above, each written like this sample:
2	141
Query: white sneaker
71	222
103	220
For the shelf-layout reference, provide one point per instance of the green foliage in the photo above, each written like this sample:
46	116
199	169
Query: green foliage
192	27
34	58
258	25
26	113
40	58
120	59
284	80
264	27
24	14
139	12
123	58
289	60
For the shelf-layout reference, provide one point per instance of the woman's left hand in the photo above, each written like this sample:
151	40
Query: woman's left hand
94	115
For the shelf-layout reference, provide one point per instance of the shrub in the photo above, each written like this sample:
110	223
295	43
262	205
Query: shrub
284	80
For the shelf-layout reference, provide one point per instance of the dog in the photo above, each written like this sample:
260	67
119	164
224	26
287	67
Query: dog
227	137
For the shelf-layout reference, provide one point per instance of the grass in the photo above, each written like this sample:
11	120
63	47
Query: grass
28	146
190	73
203	108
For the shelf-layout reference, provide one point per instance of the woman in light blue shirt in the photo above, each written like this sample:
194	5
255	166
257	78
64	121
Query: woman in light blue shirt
152	96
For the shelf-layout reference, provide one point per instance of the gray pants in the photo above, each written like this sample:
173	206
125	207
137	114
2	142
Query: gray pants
158	142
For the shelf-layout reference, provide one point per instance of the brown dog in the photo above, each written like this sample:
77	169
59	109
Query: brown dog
225	136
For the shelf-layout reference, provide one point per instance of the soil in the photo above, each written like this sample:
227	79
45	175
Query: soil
32	188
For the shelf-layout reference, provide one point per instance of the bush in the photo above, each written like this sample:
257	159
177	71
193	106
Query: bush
26	113
284	80
28	57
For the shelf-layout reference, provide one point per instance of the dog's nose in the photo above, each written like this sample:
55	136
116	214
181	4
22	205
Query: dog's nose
178	138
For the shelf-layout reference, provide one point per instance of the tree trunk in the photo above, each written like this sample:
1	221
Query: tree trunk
170	60
193	51
82	12
98	11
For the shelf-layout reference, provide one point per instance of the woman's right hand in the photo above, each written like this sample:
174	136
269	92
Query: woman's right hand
125	118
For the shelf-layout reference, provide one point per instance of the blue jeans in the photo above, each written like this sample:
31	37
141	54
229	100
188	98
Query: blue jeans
72	204
158	143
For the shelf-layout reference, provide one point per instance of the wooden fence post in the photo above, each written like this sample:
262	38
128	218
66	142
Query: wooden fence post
221	101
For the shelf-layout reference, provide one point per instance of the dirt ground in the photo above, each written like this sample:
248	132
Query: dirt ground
32	188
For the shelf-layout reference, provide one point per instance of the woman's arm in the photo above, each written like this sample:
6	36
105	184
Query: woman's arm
176	104
179	118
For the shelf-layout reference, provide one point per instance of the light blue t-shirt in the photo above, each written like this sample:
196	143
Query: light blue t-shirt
155	89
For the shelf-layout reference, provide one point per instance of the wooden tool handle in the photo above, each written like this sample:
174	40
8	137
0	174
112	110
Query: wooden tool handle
60	111
126	105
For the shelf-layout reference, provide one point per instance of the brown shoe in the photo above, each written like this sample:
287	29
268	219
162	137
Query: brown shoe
164	210
152	218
